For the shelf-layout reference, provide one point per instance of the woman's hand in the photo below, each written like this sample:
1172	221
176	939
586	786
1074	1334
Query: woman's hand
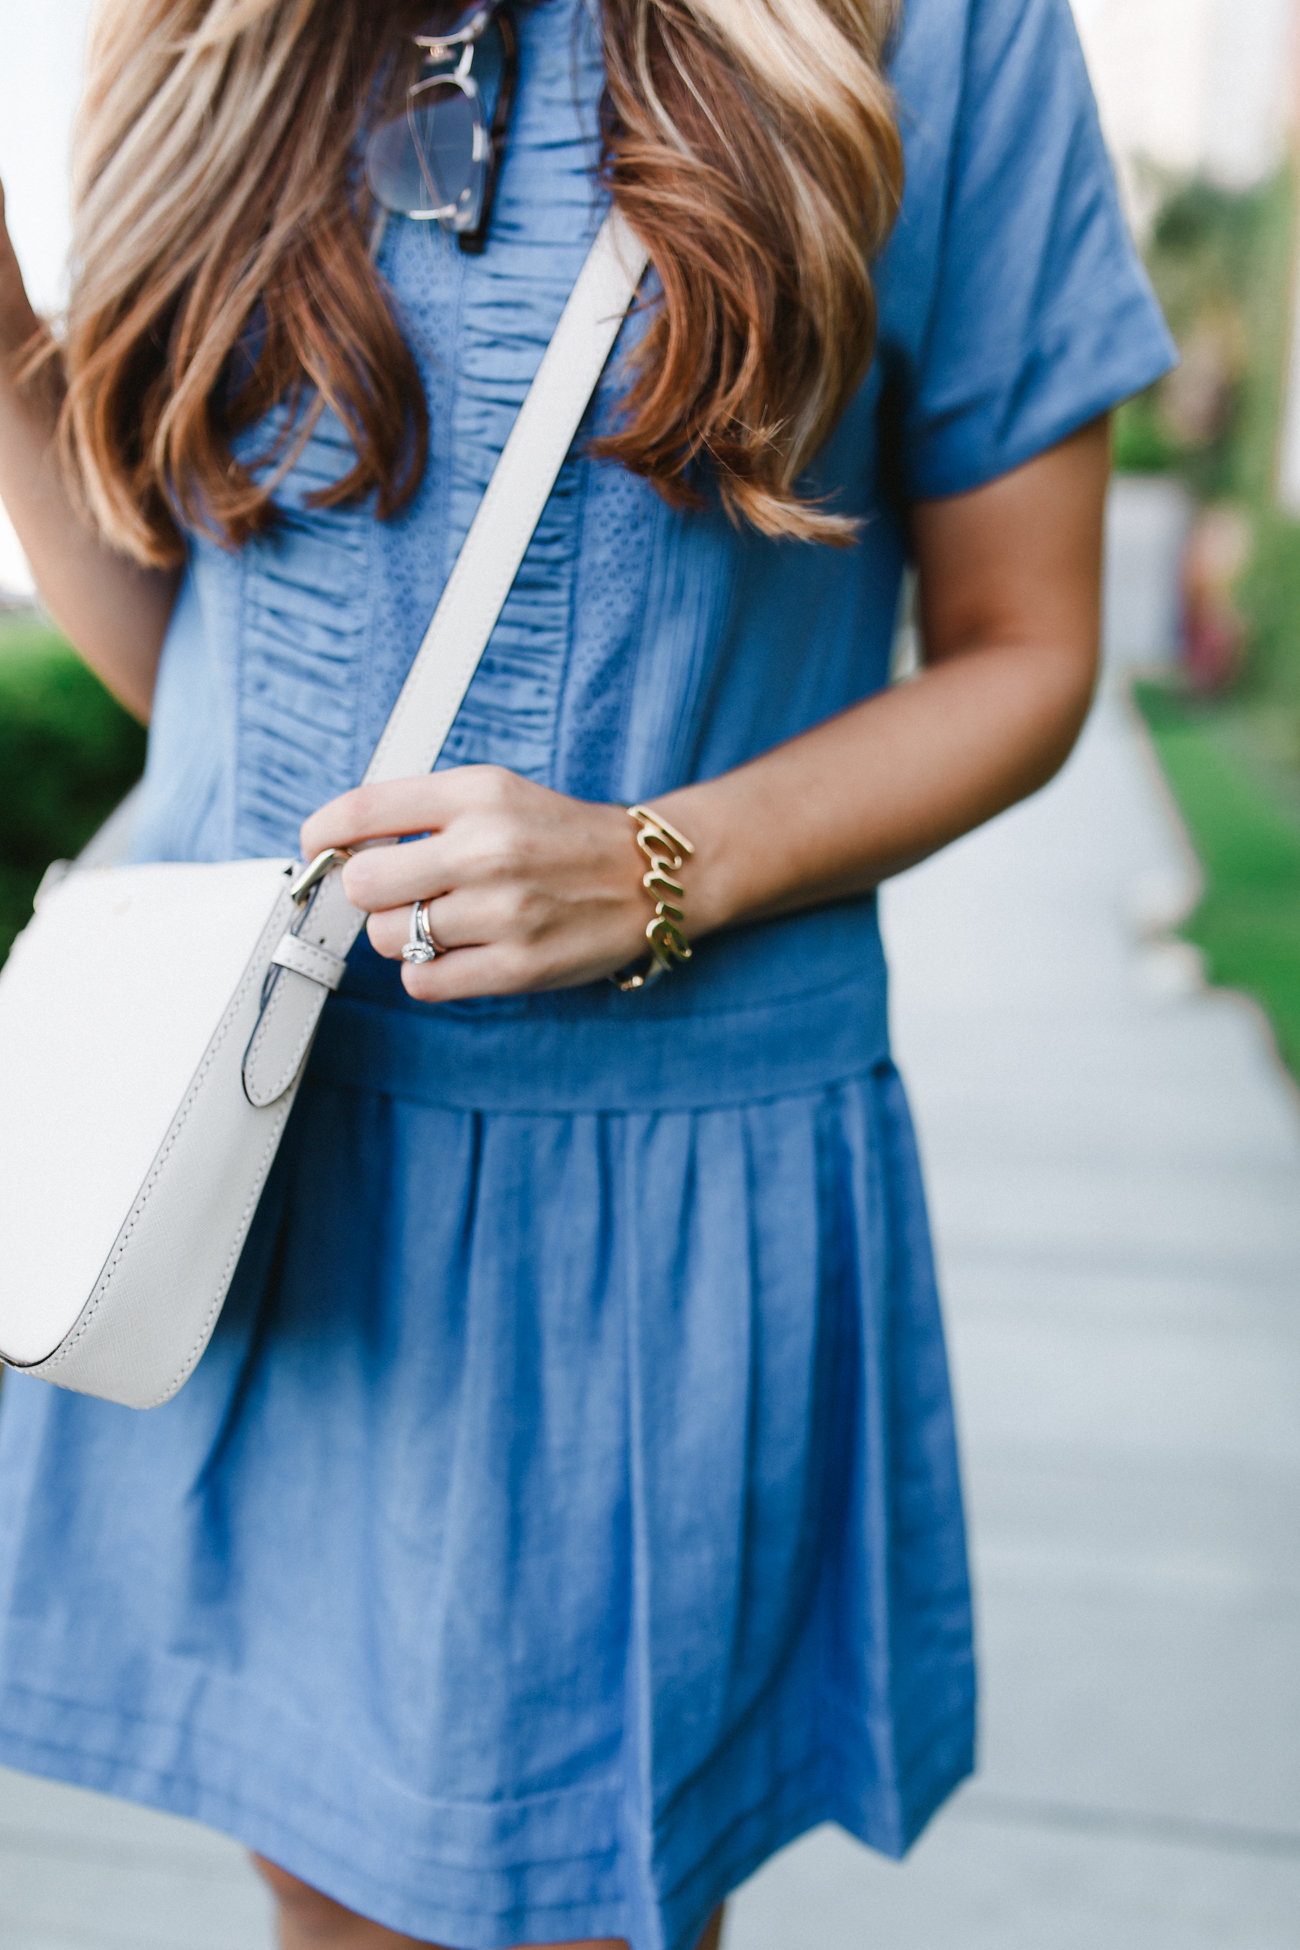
17	319
527	889
113	611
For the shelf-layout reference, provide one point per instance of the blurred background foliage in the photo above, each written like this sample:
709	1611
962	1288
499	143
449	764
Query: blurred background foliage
1227	729
68	754
1221	263
1243	818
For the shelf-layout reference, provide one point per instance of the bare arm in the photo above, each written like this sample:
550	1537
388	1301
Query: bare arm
531	889
115	612
1009	584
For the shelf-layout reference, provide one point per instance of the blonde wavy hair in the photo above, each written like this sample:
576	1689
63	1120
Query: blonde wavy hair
221	261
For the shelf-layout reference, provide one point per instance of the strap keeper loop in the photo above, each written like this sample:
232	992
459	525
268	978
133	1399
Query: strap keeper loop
318	964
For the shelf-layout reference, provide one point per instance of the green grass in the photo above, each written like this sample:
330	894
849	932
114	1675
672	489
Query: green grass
68	754
1241	804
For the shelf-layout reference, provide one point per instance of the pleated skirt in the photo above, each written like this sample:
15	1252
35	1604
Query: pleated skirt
565	1516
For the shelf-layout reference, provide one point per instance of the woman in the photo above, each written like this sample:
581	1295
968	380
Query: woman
566	1513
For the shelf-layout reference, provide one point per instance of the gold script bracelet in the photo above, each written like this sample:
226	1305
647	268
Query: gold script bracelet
667	852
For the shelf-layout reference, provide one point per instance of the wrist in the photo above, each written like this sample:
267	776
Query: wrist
713	897
19	324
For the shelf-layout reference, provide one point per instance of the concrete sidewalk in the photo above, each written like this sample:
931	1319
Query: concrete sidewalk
1114	1162
1115	1170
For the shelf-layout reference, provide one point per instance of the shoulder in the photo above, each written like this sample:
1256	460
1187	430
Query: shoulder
1013	307
994	102
948	53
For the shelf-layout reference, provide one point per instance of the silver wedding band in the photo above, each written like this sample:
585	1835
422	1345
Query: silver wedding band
421	947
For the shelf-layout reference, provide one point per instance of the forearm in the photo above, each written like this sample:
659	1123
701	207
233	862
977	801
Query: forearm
521	887
114	611
836	811
1009	584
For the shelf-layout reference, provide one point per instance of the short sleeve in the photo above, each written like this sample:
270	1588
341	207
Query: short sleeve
1042	317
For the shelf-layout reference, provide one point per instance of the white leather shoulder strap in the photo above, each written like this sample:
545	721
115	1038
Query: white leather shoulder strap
454	643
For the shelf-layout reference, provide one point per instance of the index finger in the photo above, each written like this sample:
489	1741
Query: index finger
375	812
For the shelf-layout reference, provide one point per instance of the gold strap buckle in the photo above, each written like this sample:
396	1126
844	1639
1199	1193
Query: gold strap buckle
311	876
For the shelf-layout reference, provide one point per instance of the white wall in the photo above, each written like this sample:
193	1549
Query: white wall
1194	84
40	65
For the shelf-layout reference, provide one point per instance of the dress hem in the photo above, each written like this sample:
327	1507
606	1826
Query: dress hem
805	1798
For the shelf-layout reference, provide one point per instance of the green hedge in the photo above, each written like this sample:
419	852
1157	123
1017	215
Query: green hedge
1221	261
1269	595
68	754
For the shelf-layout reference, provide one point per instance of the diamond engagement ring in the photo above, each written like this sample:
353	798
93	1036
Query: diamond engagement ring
421	947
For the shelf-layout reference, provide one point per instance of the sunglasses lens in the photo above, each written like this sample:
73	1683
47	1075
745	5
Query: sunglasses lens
433	157
427	163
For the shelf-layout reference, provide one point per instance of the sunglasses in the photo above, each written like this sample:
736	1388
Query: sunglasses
438	157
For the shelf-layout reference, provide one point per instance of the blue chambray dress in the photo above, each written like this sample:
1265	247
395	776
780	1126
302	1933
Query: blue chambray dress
566	1513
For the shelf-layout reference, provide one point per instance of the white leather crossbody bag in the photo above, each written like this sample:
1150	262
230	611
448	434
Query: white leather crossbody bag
155	1020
